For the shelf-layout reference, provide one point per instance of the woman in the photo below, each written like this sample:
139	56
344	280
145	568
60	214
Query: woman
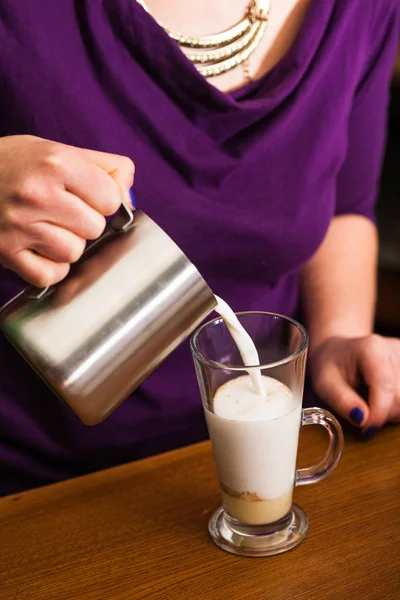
265	175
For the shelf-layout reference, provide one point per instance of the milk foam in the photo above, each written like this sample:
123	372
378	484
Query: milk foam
236	400
243	341
255	437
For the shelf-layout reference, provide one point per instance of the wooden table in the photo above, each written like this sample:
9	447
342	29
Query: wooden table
140	531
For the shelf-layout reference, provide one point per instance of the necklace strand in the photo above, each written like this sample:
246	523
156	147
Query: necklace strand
218	53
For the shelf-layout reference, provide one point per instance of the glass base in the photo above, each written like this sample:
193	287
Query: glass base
258	540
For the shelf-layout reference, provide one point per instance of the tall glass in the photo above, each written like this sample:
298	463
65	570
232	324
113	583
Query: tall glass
256	459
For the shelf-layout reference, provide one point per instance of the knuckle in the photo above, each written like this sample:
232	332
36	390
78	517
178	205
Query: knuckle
10	216
28	190
36	192
54	163
374	344
54	158
51	163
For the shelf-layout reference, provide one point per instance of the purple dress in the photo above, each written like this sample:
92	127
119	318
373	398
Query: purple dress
246	183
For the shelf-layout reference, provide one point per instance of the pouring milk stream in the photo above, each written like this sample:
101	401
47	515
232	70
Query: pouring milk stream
244	343
251	416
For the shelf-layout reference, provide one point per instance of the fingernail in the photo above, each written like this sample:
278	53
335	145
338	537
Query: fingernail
370	432
356	415
132	197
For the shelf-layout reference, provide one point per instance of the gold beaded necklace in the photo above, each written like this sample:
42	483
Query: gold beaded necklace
216	54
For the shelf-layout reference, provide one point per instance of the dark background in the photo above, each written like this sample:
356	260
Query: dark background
388	213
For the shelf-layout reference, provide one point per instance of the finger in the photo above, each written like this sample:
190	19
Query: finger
76	216
121	167
38	270
335	391
377	370
56	243
83	178
380	401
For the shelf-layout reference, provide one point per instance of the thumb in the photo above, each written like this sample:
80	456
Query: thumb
345	401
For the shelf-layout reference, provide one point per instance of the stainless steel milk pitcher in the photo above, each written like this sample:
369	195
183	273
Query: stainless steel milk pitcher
126	304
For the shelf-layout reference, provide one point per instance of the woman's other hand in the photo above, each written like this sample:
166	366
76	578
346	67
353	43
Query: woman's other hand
53	198
339	366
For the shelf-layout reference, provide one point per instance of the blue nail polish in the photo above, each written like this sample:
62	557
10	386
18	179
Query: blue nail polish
132	197
370	432
356	415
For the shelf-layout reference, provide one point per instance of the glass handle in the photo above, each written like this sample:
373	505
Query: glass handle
319	416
